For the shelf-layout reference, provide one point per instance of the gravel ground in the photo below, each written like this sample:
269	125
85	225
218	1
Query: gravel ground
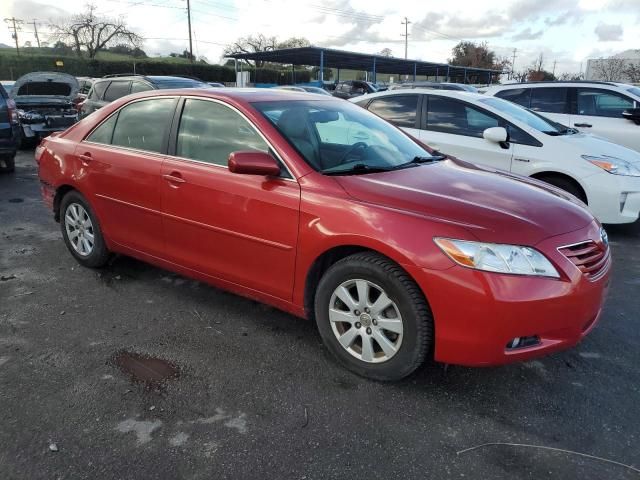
257	395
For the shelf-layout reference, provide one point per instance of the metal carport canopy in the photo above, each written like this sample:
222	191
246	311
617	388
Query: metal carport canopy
330	58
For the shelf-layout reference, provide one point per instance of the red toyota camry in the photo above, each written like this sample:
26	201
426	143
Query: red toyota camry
320	208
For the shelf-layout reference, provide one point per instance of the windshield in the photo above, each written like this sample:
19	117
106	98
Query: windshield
337	137
525	115
634	90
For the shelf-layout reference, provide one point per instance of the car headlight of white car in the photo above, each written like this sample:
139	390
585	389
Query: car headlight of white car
614	165
494	257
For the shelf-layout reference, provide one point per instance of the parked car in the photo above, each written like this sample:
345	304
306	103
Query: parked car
353	88
322	209
110	88
499	134
215	84
45	103
7	85
10	133
303	88
609	110
435	85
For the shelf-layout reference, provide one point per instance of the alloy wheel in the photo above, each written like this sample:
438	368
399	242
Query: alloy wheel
79	229
366	322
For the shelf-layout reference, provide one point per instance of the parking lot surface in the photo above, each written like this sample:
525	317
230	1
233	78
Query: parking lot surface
250	392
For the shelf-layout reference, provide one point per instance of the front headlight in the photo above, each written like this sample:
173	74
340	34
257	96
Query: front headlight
613	165
494	257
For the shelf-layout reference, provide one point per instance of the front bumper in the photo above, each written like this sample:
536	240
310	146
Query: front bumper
614	198
477	313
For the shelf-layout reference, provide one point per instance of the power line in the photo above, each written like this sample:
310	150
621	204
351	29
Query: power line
406	34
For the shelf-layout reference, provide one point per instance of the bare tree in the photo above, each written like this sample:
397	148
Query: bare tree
609	69
632	72
570	77
385	52
262	43
92	33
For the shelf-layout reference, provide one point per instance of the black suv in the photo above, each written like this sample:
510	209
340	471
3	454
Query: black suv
112	87
353	88
10	134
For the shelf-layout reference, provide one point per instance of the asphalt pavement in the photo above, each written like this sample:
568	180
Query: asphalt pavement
251	393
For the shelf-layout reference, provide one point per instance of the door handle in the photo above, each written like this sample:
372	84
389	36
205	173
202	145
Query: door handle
582	125
174	177
85	158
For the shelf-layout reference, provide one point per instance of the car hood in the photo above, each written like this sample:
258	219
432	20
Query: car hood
37	87
495	206
588	144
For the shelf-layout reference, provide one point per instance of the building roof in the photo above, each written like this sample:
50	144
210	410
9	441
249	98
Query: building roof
342	59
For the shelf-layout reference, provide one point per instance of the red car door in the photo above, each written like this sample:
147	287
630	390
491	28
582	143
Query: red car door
240	228
121	161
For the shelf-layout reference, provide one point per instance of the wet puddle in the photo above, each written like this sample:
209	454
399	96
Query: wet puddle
153	372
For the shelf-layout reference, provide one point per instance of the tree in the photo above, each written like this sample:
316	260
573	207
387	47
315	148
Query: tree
385	52
609	69
294	42
537	73
478	55
632	72
571	77
127	50
90	33
262	43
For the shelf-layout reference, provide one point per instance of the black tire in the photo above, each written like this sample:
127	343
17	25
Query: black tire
416	315
99	255
566	185
9	163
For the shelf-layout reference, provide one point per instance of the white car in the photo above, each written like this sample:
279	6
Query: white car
496	133
606	109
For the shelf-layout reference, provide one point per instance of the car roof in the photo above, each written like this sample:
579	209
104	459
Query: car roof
244	95
460	94
567	83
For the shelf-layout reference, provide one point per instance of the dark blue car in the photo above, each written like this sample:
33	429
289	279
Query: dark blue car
10	133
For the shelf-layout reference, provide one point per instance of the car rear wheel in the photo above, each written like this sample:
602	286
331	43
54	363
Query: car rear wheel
81	231
7	163
373	317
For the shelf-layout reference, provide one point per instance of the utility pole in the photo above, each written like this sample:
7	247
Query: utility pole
554	68
189	22
35	31
513	64
406	23
15	27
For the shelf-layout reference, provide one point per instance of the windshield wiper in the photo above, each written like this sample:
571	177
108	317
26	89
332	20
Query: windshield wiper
358	168
436	157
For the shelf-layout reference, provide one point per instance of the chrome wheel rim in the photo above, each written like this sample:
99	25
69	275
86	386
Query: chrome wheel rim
365	321
79	229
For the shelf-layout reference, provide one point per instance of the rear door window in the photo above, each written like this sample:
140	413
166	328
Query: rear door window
144	125
521	96
552	100
117	90
602	103
397	109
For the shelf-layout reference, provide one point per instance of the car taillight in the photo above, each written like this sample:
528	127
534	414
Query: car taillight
38	153
13	112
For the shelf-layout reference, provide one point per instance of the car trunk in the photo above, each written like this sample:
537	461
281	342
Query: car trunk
45	102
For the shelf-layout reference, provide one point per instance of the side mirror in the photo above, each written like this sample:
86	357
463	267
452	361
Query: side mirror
495	134
632	114
253	163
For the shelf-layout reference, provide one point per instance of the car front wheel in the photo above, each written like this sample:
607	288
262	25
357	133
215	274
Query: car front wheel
7	163
373	317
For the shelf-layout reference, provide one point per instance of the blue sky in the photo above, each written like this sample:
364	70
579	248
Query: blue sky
565	31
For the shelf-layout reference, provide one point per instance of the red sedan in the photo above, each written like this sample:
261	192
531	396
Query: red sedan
322	209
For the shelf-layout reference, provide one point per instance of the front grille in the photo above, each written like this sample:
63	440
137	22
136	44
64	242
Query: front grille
590	258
